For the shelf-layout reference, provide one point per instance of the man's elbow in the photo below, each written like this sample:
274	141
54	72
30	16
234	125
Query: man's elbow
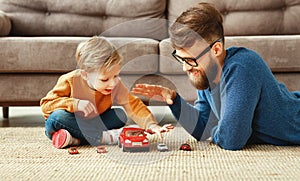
233	146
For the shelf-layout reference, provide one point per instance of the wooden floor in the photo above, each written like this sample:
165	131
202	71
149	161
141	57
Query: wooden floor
23	117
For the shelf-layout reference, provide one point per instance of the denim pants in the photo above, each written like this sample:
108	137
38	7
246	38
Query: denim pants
88	131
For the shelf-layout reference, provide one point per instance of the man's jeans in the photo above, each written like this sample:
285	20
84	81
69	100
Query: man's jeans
89	131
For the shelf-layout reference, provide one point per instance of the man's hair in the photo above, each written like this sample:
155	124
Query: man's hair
95	53
202	21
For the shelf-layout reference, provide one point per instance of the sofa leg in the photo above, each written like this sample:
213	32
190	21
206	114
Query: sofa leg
5	112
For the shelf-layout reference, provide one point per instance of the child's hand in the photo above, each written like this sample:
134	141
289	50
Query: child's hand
155	128
88	108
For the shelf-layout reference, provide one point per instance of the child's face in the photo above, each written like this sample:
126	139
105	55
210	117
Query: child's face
104	82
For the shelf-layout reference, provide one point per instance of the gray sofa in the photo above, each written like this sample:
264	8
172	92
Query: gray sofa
38	41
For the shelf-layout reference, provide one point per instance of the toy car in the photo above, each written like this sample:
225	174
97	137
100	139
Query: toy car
101	149
133	140
162	147
73	150
185	147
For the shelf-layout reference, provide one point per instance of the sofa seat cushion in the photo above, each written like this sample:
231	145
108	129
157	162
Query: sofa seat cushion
57	54
33	87
22	88
280	53
291	80
141	18
5	24
275	50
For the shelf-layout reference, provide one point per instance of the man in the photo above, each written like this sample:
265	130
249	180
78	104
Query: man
239	100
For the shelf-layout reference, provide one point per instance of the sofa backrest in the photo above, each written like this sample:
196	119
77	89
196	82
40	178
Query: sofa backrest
140	18
144	18
250	17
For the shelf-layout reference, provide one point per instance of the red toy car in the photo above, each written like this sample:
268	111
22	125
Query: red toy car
185	147
101	149
73	150
133	140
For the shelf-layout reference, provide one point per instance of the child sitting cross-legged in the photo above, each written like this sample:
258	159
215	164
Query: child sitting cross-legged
78	110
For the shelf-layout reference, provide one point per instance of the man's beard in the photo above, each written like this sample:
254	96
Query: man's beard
199	82
205	77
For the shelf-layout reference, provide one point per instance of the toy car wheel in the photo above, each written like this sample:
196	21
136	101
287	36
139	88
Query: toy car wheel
119	143
123	148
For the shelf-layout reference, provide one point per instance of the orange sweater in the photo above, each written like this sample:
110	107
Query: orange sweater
71	88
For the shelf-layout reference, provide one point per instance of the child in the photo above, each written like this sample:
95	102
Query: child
78	110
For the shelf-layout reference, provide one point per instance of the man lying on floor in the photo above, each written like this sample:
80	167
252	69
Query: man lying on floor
239	100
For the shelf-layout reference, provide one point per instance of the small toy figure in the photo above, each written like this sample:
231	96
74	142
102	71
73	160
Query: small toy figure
185	147
133	140
101	149
162	147
73	150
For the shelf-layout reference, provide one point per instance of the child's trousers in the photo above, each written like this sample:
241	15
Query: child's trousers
88	131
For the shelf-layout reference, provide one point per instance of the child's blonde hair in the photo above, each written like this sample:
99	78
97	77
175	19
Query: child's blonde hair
96	53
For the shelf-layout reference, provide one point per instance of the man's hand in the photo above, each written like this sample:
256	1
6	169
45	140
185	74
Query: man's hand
155	128
88	108
156	92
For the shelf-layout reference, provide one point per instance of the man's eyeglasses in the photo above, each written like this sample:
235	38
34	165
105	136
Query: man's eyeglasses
193	61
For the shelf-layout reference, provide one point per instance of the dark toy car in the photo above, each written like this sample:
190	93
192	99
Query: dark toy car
185	147
133	140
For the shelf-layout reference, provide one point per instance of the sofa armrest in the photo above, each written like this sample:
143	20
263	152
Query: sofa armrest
5	24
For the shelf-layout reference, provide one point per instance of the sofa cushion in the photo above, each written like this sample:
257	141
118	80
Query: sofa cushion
276	51
5	24
255	17
22	88
167	63
57	54
140	55
280	52
291	80
139	18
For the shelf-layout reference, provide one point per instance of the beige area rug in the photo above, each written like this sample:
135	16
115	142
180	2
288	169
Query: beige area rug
26	154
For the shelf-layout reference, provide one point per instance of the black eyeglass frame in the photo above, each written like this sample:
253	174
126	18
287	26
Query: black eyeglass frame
188	60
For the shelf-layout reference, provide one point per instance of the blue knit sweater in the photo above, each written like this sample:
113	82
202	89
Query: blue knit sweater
247	106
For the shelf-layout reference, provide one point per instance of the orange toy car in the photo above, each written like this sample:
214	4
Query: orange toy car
73	150
133	140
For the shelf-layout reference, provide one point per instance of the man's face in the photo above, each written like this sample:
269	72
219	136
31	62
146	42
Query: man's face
202	75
